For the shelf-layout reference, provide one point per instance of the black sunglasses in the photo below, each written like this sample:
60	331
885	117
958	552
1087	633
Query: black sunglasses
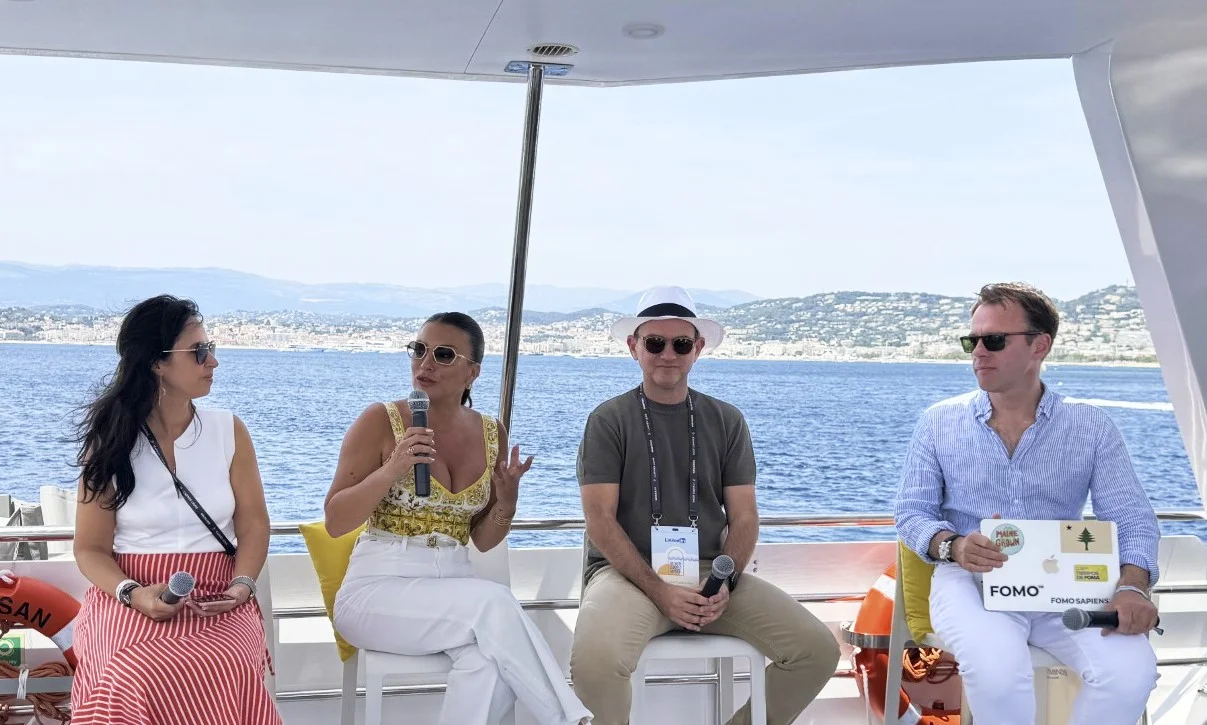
442	354
655	344
994	342
201	350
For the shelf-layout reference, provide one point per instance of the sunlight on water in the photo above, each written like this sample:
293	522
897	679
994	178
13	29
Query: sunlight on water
829	437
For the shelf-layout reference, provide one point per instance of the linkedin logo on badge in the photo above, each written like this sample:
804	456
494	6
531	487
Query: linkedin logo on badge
1008	538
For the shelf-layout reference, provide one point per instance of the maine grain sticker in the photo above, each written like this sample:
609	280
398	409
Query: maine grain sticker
1008	538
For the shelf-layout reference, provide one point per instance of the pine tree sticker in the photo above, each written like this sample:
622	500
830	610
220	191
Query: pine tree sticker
1086	537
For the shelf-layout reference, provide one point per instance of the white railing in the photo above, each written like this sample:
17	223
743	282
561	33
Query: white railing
866	520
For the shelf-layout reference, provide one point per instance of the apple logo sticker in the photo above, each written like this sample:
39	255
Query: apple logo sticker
1050	565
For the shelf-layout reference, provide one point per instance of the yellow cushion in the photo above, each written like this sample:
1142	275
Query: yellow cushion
915	588
330	558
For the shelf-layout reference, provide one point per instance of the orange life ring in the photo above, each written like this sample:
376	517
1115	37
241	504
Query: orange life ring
875	622
34	604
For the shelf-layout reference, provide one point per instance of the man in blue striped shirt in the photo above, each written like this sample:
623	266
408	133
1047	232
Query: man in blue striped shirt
1017	449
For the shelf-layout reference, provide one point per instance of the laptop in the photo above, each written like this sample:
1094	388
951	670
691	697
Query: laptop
1052	565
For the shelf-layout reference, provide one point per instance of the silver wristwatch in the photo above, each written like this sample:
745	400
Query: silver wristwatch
125	590
947	548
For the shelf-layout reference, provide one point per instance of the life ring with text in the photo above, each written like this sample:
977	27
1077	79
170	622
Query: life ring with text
873	627
36	605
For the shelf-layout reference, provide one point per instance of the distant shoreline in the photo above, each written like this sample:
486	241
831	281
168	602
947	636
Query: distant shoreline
761	358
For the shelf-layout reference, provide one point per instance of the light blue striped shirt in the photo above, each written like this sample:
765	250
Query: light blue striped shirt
957	473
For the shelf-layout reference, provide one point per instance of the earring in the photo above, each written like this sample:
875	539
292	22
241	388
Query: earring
161	392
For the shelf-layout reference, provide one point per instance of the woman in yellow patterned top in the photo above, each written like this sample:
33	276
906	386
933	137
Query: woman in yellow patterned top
410	587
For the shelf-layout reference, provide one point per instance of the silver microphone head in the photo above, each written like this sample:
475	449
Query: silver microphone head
417	400
722	566
181	583
1076	618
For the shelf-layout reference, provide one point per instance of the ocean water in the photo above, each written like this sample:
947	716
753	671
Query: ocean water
829	437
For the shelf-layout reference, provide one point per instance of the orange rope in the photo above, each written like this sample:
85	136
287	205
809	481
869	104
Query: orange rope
924	663
44	703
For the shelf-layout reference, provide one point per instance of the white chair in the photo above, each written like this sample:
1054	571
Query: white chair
493	565
58	509
721	649
264	599
899	640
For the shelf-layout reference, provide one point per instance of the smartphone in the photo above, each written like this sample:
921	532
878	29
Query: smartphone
213	598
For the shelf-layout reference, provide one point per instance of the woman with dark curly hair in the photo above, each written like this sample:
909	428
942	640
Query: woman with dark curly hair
167	487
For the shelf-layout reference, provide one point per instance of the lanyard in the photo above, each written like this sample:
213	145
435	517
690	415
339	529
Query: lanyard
694	483
187	495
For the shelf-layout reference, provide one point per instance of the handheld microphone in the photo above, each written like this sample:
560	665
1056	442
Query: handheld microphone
418	402
722	568
1080	619
179	587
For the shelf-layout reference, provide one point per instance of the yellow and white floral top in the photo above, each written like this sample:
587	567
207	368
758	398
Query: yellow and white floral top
402	513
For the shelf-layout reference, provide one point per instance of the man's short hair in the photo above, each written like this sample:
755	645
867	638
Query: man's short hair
1041	312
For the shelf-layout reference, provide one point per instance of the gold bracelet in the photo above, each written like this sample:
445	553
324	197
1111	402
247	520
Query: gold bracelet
504	521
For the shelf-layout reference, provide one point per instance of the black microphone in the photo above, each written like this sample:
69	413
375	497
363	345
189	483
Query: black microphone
722	568
179	587
1080	619
418	402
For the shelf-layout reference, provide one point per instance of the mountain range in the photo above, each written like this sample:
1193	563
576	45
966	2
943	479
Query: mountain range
77	305
219	291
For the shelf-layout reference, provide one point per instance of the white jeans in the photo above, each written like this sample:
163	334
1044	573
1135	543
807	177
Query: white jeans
1117	671
404	597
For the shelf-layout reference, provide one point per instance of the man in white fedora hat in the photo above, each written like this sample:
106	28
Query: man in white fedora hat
666	475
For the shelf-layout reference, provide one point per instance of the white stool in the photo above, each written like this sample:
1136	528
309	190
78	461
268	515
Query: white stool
380	664
722	649
1040	660
900	639
493	565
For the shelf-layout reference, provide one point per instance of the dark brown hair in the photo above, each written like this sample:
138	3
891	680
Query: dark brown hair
477	341
1041	312
109	429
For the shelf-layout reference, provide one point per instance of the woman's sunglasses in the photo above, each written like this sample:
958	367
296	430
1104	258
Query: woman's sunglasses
442	354
995	342
201	351
655	344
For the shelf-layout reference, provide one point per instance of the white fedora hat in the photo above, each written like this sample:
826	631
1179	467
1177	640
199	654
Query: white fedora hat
668	303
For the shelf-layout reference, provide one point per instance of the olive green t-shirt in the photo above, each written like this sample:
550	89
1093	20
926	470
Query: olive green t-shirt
613	450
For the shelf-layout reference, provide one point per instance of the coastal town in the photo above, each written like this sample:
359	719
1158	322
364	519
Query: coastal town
1104	326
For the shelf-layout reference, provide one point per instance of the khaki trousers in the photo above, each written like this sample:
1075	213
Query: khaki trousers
616	620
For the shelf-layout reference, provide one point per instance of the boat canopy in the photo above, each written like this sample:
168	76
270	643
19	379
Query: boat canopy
606	43
1140	68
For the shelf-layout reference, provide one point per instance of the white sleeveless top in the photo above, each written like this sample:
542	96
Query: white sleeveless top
154	520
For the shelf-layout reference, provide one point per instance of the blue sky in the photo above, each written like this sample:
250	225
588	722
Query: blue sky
929	179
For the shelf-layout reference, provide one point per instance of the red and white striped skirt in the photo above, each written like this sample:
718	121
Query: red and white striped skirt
189	670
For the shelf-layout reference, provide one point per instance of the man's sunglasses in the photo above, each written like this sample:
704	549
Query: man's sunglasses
442	354
655	344
201	351
995	342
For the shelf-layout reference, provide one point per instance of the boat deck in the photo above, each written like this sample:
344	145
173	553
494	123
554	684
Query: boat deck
828	578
